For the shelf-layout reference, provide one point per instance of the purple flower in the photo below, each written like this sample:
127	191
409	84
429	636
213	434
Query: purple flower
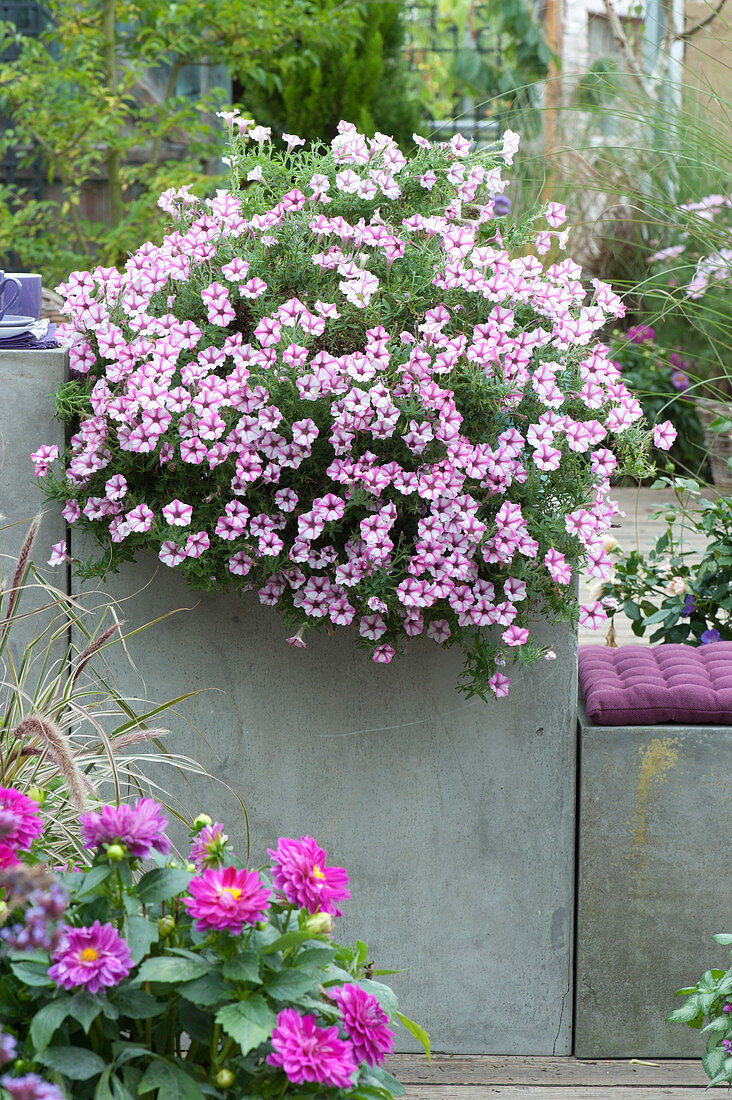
679	380
209	847
94	958
140	828
501	206
227	900
689	606
709	636
20	822
30	1087
299	871
366	1024
8	1044
639	334
308	1053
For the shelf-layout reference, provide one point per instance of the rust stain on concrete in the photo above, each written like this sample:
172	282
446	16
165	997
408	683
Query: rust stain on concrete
657	760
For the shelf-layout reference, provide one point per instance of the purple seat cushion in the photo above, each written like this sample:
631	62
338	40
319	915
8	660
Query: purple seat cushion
643	685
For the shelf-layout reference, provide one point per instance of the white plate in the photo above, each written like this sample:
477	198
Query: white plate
15	325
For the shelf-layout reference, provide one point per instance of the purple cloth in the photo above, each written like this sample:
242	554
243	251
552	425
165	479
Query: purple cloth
29	341
646	685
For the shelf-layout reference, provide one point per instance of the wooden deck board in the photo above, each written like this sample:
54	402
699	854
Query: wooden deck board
478	1069
551	1092
473	1070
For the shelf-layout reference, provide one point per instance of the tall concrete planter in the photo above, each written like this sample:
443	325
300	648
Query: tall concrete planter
453	818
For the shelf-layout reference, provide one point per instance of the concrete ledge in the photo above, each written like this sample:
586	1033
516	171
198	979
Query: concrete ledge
654	811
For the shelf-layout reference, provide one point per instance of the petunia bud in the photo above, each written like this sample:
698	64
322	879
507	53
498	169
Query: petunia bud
166	925
320	924
224	1078
116	852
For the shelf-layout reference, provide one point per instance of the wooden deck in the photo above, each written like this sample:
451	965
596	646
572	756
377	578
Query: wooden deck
478	1077
634	531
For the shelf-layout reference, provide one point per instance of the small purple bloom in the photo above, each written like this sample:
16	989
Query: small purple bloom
140	828
30	1087
640	334
94	958
679	380
689	606
709	636
8	1044
501	206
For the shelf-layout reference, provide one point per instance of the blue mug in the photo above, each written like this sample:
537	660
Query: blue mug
6	281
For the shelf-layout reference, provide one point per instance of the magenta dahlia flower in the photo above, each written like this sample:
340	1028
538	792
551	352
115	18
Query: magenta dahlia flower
20	822
209	847
299	871
140	828
365	1022
226	899
8	856
307	1052
94	958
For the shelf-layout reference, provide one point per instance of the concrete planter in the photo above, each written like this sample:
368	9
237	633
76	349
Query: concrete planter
653	861
454	818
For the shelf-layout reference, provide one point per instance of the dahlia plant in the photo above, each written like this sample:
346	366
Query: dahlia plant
187	980
347	385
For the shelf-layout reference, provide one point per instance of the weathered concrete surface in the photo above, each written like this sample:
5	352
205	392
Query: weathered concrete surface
454	818
28	381
653	885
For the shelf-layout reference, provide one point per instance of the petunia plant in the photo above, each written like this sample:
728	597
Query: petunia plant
348	385
188	979
708	1008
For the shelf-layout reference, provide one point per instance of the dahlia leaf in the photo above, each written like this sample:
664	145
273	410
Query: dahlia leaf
418	1032
47	1021
162	883
289	985
170	1080
249	1022
76	1063
243	968
172	969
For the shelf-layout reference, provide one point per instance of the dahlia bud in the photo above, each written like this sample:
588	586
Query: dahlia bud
320	924
224	1078
201	821
36	794
116	852
166	925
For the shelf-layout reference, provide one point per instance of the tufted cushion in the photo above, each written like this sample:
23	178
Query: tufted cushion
643	685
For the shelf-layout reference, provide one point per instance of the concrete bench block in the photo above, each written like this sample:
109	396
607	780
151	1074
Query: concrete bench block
655	807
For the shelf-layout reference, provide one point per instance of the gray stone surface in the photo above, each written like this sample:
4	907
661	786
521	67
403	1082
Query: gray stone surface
28	381
453	818
653	884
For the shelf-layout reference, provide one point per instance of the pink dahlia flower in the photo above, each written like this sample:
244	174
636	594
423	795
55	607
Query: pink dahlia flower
209	847
227	899
308	1053
8	856
299	871
140	828
94	958
366	1024
20	822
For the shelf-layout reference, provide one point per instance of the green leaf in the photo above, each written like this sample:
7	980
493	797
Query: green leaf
725	938
249	1022
384	1080
632	610
31	973
172	1082
85	1007
93	879
243	968
46	1022
418	1032
137	1004
76	1063
162	883
685	1013
171	968
320	956
287	939
288	985
140	934
209	990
